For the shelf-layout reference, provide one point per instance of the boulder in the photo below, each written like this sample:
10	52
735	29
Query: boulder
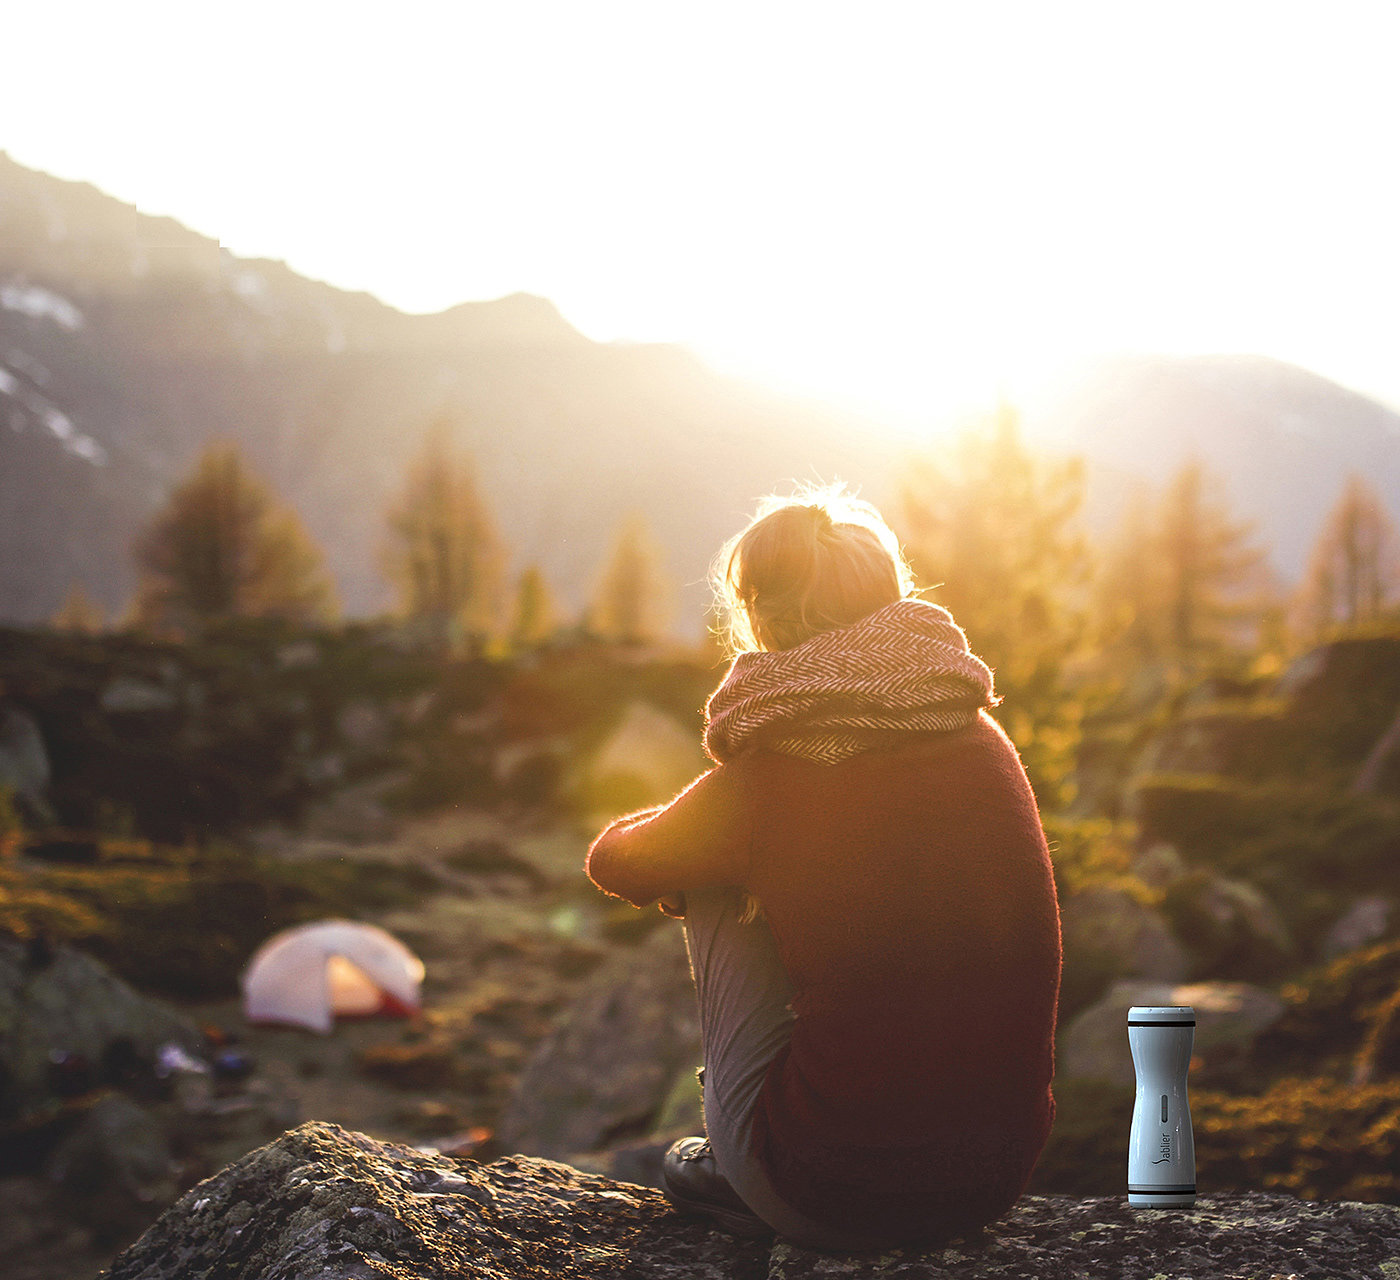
24	764
645	760
1343	696
1367	920
1228	927
325	1202
1229	1016
1226	737
681	1115
1109	932
1103	918
1159	865
364	725
115	1167
603	1075
126	694
61	1005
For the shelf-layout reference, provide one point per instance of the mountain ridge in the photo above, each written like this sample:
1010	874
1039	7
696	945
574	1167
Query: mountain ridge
328	393
128	342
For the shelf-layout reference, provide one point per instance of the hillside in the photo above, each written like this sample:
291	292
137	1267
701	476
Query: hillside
127	342
1282	439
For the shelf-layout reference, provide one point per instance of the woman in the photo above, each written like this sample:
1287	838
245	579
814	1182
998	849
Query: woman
868	905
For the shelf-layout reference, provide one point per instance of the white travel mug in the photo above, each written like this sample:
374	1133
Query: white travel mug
1161	1151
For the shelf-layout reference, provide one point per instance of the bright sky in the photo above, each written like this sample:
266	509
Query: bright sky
914	205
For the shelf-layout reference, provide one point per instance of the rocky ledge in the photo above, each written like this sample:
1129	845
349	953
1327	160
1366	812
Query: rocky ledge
325	1202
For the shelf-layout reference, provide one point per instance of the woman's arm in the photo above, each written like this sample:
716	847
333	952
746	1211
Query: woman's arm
700	840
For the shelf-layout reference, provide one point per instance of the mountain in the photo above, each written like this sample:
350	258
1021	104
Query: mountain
1280	439
127	342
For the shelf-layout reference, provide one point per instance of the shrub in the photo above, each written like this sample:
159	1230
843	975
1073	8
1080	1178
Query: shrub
1295	834
1329	1011
1314	1138
185	924
1086	851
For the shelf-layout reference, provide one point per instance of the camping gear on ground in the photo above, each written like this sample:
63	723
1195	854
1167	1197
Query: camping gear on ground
1161	1149
69	1074
309	975
229	1064
171	1057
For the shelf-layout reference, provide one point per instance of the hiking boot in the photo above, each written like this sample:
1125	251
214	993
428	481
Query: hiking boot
694	1185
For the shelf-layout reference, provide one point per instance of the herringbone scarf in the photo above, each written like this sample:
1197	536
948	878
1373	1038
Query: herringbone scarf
904	667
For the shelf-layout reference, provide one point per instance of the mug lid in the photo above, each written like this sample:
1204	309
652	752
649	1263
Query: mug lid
1162	1015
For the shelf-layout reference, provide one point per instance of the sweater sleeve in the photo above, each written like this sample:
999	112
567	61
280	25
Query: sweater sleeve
700	840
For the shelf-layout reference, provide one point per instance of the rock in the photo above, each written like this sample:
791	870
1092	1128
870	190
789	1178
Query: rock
324	1202
1109	933
1366	921
298	655
681	1115
126	694
1214	738
115	1168
1343	696
1159	865
364	726
67	1003
1106	919
1380	771
24	764
1229	1016
646	759
1228	926
603	1074
41	1237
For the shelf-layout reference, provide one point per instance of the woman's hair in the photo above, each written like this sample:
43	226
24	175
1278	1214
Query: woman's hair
812	562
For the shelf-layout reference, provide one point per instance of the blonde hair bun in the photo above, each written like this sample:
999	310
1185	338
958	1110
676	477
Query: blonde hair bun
806	563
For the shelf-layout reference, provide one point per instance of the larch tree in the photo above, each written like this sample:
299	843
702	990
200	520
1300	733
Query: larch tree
534	617
1210	577
79	613
632	602
443	554
1181	588
1124	615
1353	573
994	528
225	547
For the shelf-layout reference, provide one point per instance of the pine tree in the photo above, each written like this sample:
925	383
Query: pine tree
224	547
1354	571
444	556
996	528
632	603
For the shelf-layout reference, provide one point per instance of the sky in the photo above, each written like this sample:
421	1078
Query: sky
913	207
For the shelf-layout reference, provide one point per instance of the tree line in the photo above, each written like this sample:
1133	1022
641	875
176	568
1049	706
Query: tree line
994	528
224	546
1178	593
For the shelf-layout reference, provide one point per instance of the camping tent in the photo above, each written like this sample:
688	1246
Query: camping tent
308	975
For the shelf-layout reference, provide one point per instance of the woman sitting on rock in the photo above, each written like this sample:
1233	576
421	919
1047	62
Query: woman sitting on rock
868	905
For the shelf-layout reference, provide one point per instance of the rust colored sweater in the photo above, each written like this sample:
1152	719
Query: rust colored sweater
910	893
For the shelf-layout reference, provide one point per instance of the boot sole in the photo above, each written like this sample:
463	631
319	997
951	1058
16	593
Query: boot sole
731	1221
